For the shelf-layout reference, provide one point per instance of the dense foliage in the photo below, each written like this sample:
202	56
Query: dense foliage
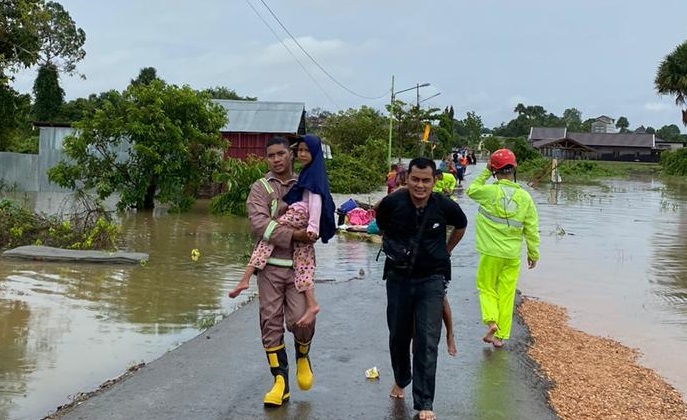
88	226
237	175
675	162
34	32
671	77
151	142
360	171
48	93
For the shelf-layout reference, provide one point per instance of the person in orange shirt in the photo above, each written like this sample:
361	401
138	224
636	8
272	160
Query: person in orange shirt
391	181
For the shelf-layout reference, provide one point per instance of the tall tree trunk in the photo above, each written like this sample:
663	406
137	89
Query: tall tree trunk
149	199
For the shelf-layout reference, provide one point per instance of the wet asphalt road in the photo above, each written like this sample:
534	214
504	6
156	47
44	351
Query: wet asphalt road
223	374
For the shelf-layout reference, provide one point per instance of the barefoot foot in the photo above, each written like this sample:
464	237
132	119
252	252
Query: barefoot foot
238	289
451	343
497	342
309	316
489	336
426	415
396	392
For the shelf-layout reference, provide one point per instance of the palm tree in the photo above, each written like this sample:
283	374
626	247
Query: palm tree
671	77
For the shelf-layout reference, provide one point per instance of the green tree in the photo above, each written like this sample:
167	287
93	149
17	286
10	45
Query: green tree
650	130
14	120
528	117
473	127
445	132
315	118
169	135
146	76
20	42
78	108
587	125
671	77
223	92
522	149
48	93
492	144
62	42
669	132
350	128
409	125
622	124
572	118
62	48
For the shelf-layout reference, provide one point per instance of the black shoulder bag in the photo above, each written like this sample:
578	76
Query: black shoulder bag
401	254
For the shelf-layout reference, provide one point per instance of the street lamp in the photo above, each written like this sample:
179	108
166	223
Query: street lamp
391	110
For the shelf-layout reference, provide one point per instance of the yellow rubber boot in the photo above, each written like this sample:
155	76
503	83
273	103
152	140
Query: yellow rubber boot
304	374
279	394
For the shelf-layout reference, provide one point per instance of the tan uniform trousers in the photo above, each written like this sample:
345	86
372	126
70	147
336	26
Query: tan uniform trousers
279	302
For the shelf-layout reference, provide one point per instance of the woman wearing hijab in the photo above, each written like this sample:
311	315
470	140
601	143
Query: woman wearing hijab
311	207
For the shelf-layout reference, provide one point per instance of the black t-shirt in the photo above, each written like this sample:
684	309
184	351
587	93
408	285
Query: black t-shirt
398	218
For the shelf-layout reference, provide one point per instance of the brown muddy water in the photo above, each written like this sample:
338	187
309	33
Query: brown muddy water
615	256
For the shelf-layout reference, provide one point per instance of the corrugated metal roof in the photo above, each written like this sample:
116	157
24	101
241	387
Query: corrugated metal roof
262	117
593	139
547	133
614	139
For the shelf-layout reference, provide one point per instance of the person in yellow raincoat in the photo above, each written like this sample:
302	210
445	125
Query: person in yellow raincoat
506	215
445	182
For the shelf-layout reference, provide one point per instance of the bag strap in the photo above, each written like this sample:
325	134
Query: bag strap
418	236
416	239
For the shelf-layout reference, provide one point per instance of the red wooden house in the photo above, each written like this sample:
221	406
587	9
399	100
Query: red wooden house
252	123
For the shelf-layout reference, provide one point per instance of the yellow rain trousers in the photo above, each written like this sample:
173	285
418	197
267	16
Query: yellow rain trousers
505	216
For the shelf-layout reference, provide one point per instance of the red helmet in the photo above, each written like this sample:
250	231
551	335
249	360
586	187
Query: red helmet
502	158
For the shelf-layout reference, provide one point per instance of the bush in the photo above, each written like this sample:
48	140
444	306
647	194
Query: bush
362	171
88	228
239	175
675	162
523	150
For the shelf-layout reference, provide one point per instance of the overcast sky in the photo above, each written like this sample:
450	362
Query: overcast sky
486	56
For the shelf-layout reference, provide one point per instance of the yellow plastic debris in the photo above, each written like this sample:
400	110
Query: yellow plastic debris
195	254
372	373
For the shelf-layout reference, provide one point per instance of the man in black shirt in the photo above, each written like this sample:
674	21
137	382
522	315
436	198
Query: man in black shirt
414	222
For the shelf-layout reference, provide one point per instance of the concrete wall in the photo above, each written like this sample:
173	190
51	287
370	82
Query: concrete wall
19	170
29	172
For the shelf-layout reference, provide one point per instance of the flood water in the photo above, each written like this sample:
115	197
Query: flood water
616	258
613	255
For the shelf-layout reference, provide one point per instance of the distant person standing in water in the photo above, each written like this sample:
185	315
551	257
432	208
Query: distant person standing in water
506	215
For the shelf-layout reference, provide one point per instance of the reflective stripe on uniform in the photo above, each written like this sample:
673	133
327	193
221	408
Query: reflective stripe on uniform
280	262
508	222
274	205
268	230
267	185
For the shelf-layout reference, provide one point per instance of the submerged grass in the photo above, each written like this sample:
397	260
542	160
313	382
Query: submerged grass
586	172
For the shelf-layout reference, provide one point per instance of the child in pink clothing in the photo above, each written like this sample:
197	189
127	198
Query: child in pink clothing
305	213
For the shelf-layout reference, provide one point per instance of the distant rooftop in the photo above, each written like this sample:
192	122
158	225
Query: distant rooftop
261	116
541	135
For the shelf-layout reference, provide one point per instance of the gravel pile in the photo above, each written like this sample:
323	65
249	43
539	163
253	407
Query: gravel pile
592	377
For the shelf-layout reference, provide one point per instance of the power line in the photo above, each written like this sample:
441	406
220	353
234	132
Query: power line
315	61
292	54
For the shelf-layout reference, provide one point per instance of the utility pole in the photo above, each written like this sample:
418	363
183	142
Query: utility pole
391	119
417	96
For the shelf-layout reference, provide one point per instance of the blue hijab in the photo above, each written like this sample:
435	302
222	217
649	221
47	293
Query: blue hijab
313	178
